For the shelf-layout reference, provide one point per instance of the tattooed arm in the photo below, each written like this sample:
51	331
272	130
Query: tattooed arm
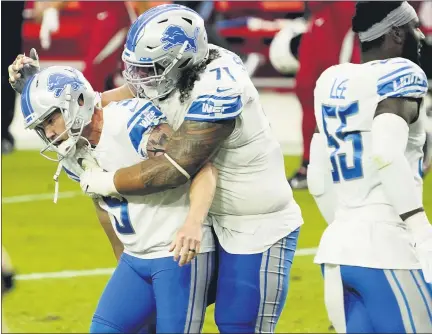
191	146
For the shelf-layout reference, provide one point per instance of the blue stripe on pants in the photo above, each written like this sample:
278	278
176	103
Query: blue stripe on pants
384	301
141	288
252	288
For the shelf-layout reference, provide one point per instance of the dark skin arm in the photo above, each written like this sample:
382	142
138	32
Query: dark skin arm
191	146
408	110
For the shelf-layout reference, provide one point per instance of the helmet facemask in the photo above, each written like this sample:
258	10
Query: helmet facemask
74	126
154	79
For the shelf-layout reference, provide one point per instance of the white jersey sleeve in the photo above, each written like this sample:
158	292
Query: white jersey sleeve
221	103
73	176
144	117
400	77
220	92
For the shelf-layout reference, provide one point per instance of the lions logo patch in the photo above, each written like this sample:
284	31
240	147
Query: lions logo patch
175	35
57	83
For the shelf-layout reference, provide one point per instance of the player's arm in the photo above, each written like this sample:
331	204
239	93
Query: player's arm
105	222
142	6
208	122
48	14
188	238
389	140
41	6
116	94
319	178
201	193
19	74
189	148
390	134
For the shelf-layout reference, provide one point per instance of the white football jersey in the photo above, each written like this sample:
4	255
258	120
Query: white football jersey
367	230
146	225
253	205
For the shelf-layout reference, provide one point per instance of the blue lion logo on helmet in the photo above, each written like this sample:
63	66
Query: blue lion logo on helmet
57	83
175	35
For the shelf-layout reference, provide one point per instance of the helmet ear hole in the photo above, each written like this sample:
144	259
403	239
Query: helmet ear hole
81	100
159	69
187	20
184	63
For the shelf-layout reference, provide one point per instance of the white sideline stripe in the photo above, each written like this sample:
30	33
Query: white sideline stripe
306	251
38	197
108	271
81	273
66	274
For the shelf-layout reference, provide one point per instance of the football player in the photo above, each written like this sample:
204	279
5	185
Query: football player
365	174
7	281
59	104
214	108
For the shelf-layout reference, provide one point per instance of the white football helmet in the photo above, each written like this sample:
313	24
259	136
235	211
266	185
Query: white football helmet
58	88
161	43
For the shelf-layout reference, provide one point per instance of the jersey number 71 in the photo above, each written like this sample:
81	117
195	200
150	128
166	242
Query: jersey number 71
339	160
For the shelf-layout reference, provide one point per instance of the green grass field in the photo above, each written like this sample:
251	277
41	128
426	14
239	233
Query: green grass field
44	237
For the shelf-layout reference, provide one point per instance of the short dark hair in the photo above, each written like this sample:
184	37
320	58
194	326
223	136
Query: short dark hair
367	14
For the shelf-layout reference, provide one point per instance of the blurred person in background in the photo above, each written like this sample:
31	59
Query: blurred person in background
135	8
7	280
107	23
206	10
11	24
328	41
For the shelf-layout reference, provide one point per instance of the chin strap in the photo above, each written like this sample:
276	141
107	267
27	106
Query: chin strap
56	176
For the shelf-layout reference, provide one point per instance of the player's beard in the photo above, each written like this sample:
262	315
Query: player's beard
410	48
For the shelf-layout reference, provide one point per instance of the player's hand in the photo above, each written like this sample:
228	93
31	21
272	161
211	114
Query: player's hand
424	255
23	68
187	242
423	249
96	182
50	23
38	10
421	237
